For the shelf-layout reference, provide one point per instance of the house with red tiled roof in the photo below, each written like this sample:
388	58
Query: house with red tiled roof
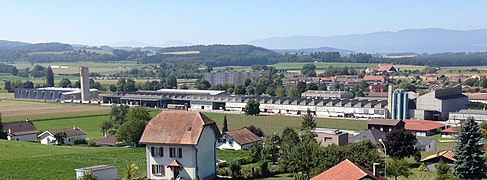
445	156
347	170
180	145
423	127
450	132
238	139
371	79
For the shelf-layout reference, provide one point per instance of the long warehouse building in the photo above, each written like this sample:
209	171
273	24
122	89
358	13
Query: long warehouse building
211	100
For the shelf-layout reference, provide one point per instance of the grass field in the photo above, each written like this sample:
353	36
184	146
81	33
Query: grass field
321	65
73	67
25	160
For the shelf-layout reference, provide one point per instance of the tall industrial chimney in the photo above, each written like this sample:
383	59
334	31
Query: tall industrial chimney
84	76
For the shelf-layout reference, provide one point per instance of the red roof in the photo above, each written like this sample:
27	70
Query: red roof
346	170
177	127
385	68
450	130
476	96
422	125
243	136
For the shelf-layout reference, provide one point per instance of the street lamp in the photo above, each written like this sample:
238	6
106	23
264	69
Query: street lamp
385	156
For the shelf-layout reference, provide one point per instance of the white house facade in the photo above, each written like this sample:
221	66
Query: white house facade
47	137
238	139
186	149
20	131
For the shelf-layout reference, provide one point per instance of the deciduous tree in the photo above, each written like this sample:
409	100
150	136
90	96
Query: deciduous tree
252	108
400	144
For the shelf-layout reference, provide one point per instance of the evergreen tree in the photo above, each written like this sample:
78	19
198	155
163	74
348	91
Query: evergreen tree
271	147
400	144
308	121
8	86
65	82
225	124
469	163
49	77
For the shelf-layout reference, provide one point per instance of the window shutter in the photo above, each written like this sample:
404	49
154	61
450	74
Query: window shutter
180	152
153	169
161	151
152	153
161	169
171	152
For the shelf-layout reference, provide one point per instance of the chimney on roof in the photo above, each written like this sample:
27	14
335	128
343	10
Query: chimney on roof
74	126
375	169
9	131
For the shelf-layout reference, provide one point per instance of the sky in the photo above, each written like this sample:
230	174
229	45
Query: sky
108	22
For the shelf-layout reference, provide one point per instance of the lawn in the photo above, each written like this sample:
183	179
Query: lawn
26	160
275	124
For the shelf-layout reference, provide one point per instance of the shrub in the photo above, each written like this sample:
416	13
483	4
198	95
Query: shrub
264	167
223	172
245	160
91	143
235	168
79	141
422	167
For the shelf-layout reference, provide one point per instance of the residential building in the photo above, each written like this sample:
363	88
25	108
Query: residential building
445	156
328	94
181	144
385	125
109	140
380	69
47	137
234	77
423	127
102	172
426	144
371	79
451	132
348	170
238	139
326	138
372	135
438	104
20	131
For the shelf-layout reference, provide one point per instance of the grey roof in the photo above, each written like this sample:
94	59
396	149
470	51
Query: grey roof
20	128
373	135
423	141
472	111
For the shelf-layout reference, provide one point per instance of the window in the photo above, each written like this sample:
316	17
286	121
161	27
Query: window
158	170
176	152
328	139
157	151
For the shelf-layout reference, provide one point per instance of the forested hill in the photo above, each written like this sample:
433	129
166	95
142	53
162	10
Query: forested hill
10	44
215	55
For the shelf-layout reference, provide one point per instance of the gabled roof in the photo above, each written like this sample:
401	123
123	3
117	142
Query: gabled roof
424	141
346	170
174	163
70	132
110	140
450	130
446	154
243	136
20	128
177	127
422	125
385	122
373	135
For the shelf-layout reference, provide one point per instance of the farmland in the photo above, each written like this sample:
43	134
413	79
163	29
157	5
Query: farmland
73	67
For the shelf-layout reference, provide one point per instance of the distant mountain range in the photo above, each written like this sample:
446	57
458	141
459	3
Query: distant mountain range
433	40
313	50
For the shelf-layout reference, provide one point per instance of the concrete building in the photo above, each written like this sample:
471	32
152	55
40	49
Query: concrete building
479	115
327	94
234	77
181	145
84	79
438	104
238	139
326	137
102	172
20	131
54	93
